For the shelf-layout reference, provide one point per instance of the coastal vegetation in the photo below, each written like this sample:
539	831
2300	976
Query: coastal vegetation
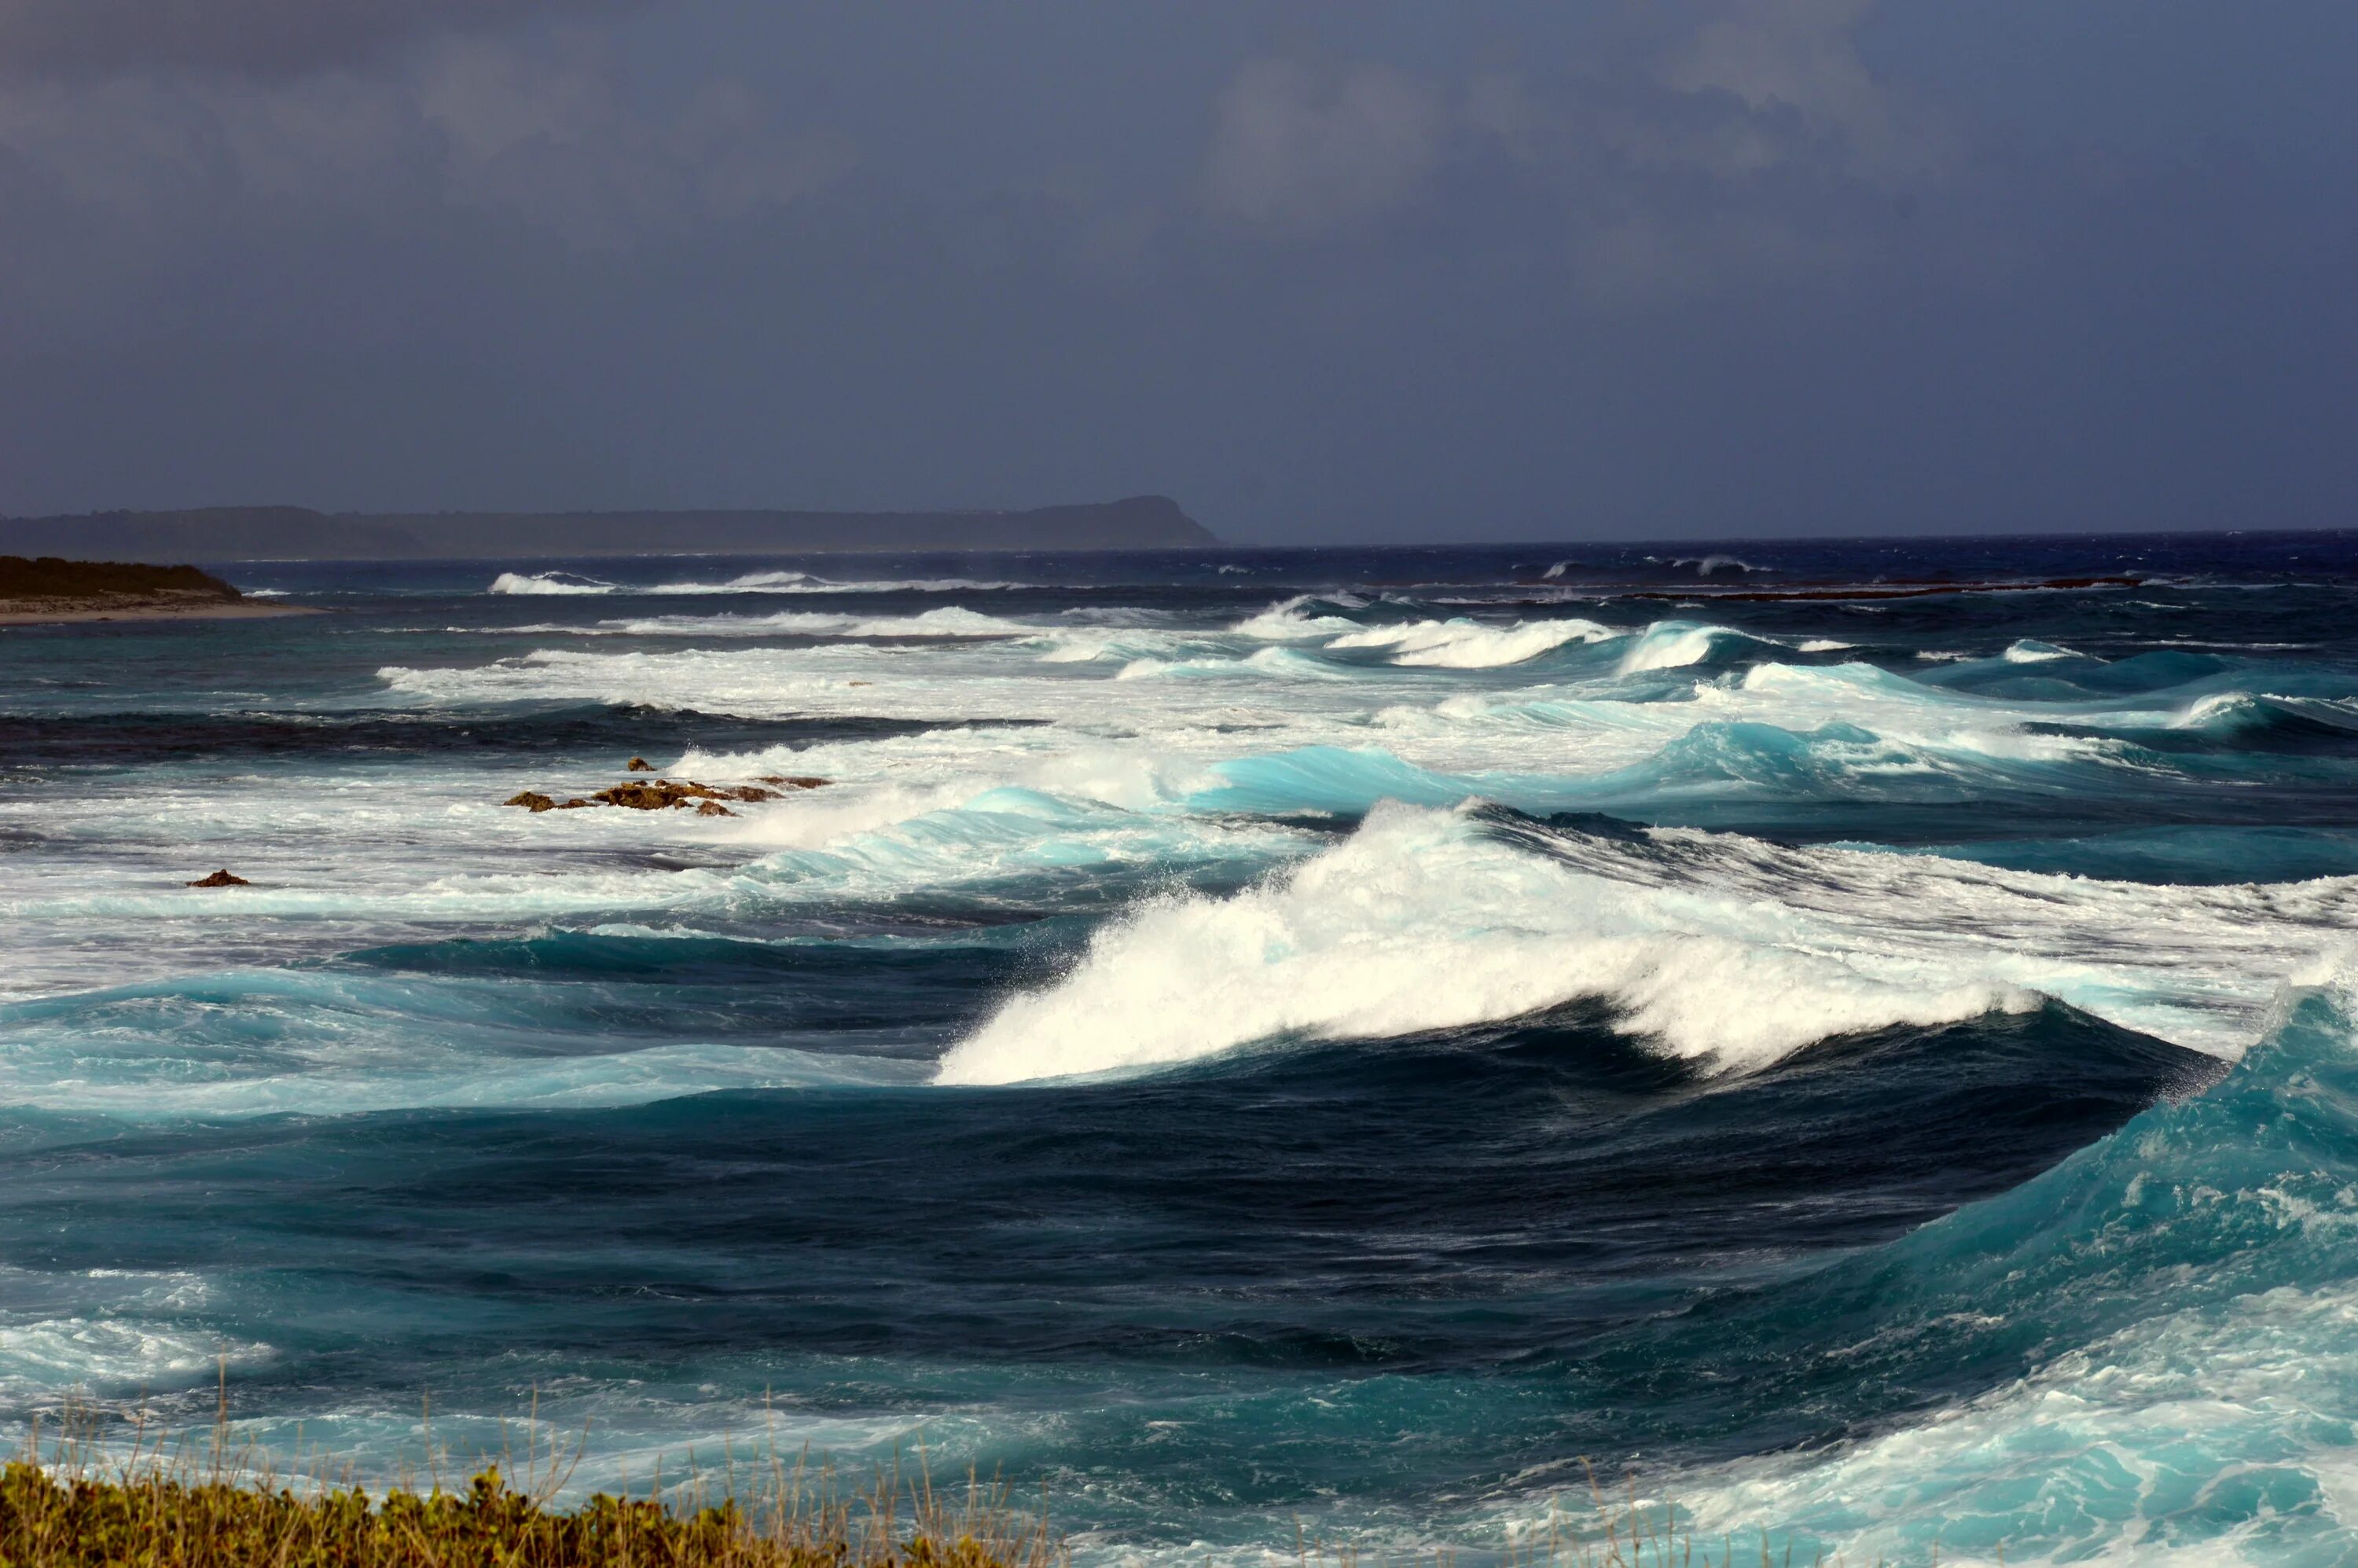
197	1502
50	578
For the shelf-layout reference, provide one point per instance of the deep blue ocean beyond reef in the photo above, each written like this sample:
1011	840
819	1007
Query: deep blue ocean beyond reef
1858	1037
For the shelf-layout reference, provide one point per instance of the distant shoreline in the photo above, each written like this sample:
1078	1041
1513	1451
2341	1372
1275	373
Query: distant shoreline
294	533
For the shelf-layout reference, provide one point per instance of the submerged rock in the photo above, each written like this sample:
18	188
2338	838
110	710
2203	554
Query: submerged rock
638	765
793	781
531	800
220	878
713	808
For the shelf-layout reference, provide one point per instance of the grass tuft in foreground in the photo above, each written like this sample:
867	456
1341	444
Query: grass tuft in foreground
155	1522
67	1507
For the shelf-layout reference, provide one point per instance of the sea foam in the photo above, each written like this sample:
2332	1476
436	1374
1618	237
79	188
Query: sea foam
1716	947
1421	922
1463	644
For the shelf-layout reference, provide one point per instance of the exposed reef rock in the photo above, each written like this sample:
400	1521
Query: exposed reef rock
639	766
664	795
220	878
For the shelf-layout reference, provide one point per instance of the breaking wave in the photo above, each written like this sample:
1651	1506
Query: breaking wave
548	583
1711	947
1462	644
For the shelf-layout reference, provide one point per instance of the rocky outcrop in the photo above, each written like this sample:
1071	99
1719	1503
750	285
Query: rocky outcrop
220	878
665	794
638	765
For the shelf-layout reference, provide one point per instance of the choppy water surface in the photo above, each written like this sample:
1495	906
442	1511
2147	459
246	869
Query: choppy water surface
1857	1035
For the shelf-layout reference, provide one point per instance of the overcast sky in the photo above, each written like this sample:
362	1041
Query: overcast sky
1323	269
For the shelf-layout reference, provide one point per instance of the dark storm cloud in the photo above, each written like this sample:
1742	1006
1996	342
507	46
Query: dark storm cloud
1378	270
271	36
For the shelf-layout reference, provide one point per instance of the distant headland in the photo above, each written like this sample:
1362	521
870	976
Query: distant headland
296	532
47	590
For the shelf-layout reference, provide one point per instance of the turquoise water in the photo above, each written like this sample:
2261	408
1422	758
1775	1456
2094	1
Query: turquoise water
1854	1038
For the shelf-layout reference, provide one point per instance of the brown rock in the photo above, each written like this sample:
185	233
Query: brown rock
637	796
575	804
639	766
530	800
220	878
712	808
792	780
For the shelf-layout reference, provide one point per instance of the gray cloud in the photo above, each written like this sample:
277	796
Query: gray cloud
1298	149
1322	272
102	37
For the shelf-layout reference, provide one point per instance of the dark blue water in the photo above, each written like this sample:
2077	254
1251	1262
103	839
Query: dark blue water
1854	1035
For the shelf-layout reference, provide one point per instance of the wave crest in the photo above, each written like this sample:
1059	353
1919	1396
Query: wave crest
1423	922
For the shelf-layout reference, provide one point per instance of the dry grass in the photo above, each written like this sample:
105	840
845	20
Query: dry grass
194	1500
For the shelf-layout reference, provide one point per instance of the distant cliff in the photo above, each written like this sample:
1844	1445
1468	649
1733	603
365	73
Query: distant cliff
294	533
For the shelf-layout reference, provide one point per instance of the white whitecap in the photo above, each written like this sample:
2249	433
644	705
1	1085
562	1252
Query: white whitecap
1713	946
548	583
1464	645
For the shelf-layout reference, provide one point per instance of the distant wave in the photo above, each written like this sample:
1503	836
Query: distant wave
804	583
1462	644
950	620
1291	619
548	583
2030	651
751	582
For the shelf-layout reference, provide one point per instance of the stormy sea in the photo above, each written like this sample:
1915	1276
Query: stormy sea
1854	1039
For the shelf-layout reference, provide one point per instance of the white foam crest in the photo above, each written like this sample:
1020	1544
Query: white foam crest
1672	644
1826	646
750	582
1283	663
1285	622
548	583
1706	566
41	1357
1088	644
1715	947
2030	651
1464	645
804	583
1419	922
950	620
